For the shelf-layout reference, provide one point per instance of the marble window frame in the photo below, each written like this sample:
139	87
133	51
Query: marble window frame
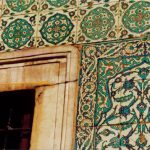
53	73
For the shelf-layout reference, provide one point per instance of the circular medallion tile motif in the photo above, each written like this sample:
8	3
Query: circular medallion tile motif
56	29
97	23
19	5
17	33
137	17
58	3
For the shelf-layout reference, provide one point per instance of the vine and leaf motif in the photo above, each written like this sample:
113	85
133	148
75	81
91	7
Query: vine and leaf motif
114	99
123	103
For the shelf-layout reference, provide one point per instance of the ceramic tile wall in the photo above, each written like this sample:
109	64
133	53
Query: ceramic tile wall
54	22
114	96
113	105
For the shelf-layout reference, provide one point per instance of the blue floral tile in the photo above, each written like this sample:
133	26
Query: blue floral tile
56	28
49	5
135	104
134	89
135	136
98	23
134	20
16	7
18	33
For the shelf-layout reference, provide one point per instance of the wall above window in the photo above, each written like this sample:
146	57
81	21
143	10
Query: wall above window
40	23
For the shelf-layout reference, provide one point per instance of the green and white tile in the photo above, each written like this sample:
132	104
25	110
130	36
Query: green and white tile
98	23
134	18
19	7
55	28
18	33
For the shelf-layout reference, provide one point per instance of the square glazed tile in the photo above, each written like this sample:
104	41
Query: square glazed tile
15	7
57	28
135	136
134	99
107	109
85	137
98	23
134	20
107	137
49	5
18	32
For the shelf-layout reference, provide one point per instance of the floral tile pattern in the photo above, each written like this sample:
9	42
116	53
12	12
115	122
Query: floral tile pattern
19	7
115	89
17	33
98	23
57	28
107	137
135	136
134	18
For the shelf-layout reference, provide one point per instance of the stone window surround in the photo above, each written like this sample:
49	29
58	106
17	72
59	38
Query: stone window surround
53	73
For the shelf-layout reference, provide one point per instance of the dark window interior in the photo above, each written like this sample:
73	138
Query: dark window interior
16	116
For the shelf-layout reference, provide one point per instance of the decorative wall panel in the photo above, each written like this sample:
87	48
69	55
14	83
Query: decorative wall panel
114	106
113	103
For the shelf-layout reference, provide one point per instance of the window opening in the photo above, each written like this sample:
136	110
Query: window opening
16	117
